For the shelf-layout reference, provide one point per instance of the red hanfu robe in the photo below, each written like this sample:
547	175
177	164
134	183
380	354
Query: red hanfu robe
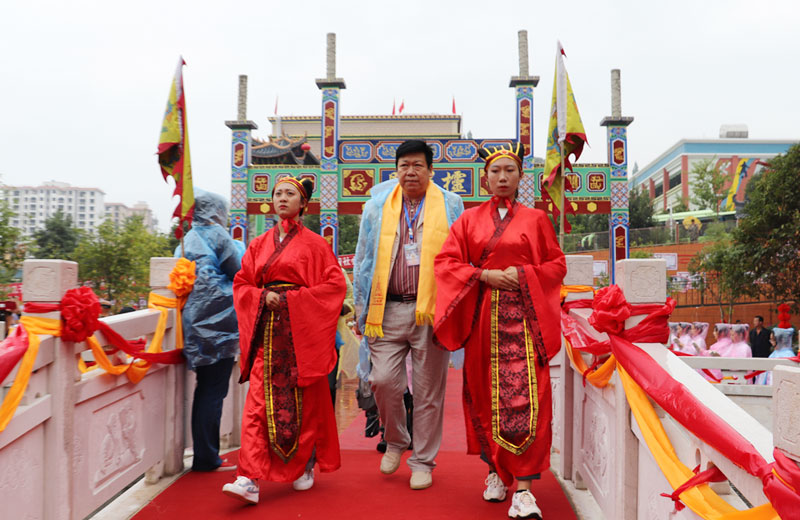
508	336
282	426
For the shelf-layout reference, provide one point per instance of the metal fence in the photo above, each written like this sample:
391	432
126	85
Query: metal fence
675	233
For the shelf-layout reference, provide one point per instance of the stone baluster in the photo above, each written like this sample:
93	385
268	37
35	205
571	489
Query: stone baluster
786	414
643	281
46	281
579	272
160	267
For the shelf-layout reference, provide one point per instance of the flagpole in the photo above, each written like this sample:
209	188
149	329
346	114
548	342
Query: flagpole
563	198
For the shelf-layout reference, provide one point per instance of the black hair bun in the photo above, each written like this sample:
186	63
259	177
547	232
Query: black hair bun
308	185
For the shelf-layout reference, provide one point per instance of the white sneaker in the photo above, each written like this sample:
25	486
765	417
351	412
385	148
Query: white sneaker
523	505
495	489
305	481
243	489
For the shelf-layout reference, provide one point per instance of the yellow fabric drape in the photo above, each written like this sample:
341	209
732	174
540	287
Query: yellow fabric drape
34	327
433	236
182	280
138	369
599	377
700	499
566	289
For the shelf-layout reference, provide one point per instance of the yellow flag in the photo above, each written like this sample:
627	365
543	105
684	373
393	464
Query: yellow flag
173	150
565	129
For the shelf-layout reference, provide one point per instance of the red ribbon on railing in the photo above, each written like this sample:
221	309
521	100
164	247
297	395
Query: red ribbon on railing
606	316
705	371
169	357
11	351
781	479
712	474
77	306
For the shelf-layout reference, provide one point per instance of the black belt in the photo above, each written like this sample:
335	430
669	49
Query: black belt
403	298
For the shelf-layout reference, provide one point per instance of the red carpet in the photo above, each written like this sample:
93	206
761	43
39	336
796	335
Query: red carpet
359	491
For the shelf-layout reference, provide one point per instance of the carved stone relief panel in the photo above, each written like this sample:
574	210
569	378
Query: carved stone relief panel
22	477
116	439
596	442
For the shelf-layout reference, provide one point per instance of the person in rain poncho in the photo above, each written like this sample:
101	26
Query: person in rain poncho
211	332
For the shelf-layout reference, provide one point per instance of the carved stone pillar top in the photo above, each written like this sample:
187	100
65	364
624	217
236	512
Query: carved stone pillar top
579	270
786	414
160	267
48	280
643	280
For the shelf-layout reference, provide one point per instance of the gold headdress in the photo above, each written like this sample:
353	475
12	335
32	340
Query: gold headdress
514	151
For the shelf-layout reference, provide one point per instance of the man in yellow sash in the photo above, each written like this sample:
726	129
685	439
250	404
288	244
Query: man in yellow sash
403	227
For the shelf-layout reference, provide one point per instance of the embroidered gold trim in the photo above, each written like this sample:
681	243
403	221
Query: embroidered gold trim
533	390
298	396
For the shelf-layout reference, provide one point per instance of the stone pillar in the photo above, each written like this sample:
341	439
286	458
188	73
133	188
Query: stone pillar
523	86
329	177
579	272
241	140
643	281
617	138
160	267
46	281
786	415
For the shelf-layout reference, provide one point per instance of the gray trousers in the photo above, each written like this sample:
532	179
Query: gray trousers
389	380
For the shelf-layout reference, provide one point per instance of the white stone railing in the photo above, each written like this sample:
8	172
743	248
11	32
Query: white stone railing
77	440
602	449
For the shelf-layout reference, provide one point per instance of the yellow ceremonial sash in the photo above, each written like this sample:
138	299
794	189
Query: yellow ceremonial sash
433	237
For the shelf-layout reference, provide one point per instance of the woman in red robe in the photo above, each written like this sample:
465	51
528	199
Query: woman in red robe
288	297
498	280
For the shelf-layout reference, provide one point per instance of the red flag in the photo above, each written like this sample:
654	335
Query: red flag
454	105
393	110
402	106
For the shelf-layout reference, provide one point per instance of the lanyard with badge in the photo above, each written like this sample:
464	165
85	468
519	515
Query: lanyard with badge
412	250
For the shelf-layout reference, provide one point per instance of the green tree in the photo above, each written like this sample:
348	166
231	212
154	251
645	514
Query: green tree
588	223
769	233
12	248
721	273
116	260
640	209
348	231
57	240
682	206
708	183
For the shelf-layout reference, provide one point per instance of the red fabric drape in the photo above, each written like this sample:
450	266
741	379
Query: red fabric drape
11	351
691	413
134	349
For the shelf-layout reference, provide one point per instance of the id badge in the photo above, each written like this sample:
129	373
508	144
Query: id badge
412	254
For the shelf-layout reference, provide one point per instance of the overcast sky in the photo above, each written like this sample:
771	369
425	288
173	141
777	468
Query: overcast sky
83	84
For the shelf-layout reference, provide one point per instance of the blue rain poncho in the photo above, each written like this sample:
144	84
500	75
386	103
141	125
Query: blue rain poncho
210	328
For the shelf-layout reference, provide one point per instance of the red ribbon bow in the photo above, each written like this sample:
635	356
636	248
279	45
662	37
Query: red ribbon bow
505	200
